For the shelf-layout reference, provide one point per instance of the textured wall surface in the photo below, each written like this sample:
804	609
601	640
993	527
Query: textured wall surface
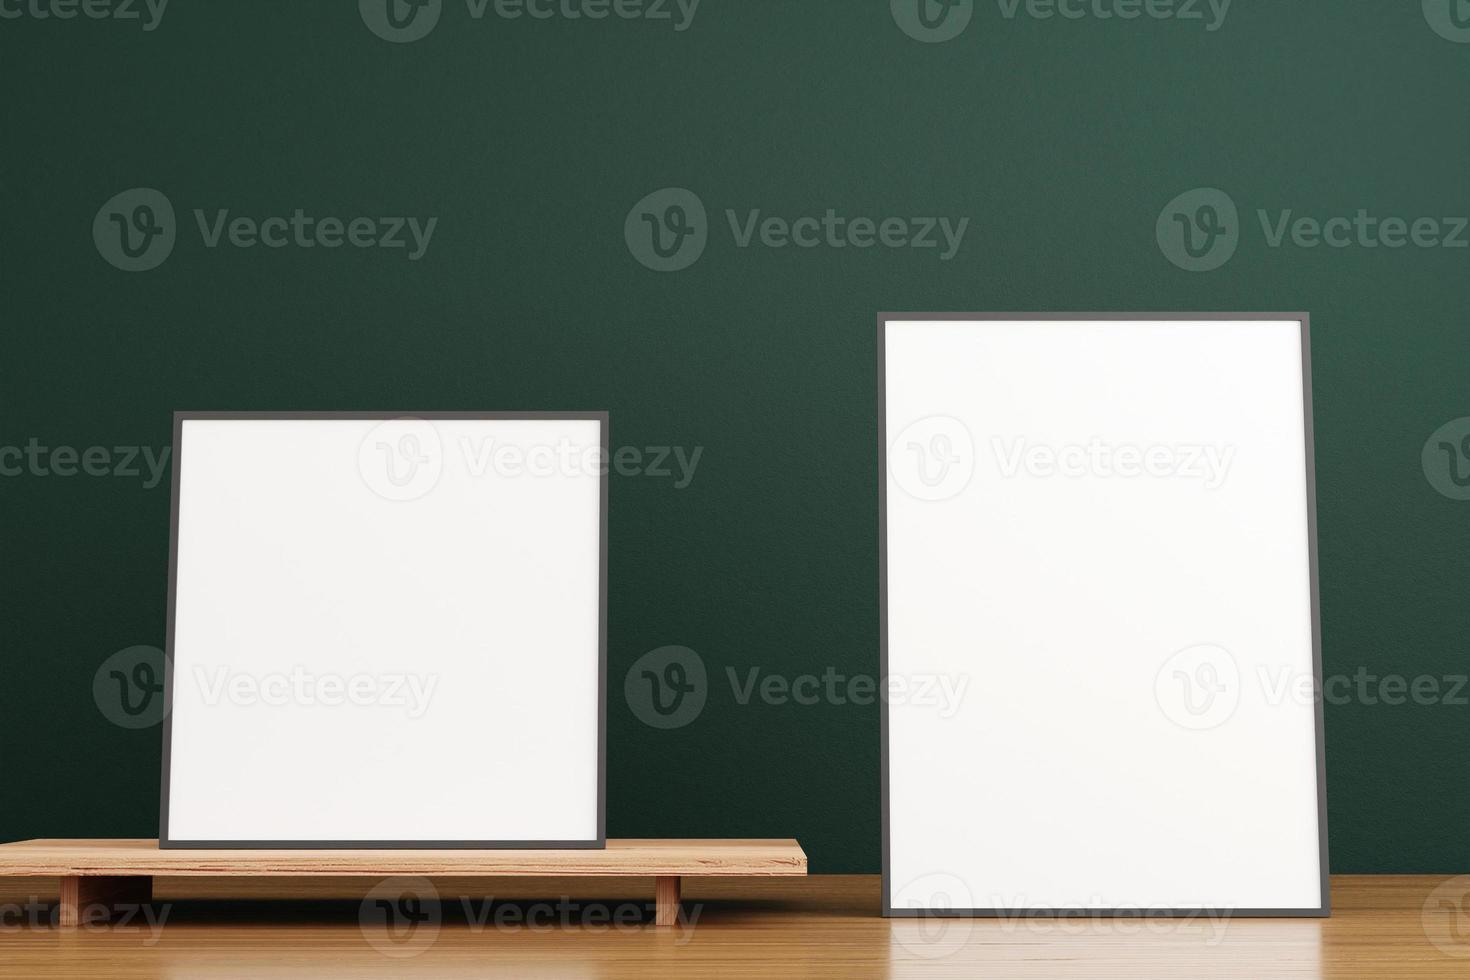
1054	162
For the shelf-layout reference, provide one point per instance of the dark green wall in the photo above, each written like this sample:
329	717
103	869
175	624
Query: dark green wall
1060	140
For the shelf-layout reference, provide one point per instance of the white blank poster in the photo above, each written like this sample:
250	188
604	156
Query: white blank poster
1100	617
386	631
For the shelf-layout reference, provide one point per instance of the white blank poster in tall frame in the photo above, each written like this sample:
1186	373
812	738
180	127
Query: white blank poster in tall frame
1099	616
386	631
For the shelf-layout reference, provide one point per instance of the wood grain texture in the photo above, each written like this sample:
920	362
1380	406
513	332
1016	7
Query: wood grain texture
825	927
666	890
744	858
822	927
97	899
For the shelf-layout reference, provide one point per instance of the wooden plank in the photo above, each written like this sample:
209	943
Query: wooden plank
89	899
66	913
759	858
666	900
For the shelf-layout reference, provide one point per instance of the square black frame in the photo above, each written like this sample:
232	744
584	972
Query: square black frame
600	841
1304	320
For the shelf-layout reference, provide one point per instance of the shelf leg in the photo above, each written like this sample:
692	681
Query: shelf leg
94	898
666	900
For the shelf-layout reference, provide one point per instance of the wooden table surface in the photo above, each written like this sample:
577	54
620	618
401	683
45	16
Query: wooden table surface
819	927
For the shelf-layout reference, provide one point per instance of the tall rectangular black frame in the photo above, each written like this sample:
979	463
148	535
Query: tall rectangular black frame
1311	486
